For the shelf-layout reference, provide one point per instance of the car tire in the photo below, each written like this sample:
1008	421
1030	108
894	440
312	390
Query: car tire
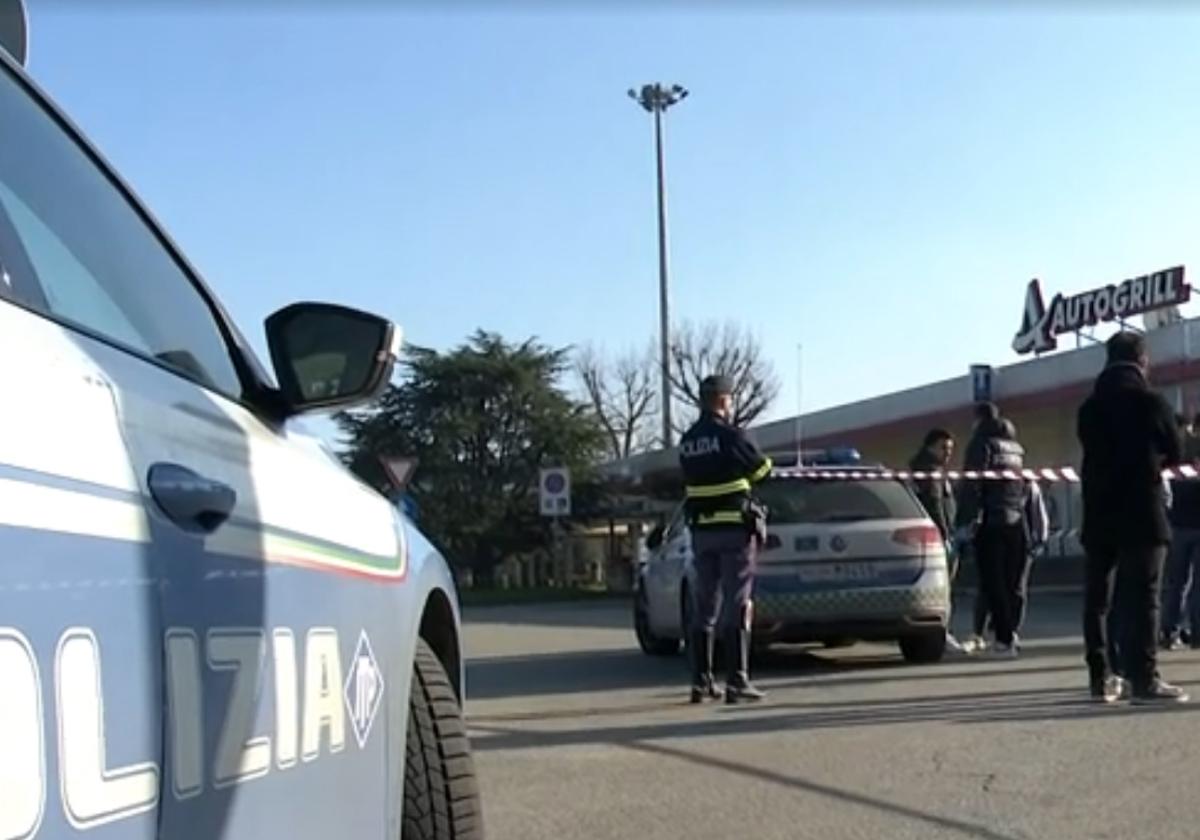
923	648
650	644
441	791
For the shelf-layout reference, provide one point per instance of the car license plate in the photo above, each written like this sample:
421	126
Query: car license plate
838	573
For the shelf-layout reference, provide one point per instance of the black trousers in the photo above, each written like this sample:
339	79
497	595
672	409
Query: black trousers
1002	559
982	612
1127	582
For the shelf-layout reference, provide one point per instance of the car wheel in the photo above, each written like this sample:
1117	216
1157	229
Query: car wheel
650	644
441	792
924	648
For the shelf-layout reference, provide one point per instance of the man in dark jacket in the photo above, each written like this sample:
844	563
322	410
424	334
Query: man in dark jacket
935	493
995	509
937	497
1128	435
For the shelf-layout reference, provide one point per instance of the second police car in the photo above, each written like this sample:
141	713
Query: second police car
208	627
846	559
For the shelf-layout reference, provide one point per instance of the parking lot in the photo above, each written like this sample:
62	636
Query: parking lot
578	735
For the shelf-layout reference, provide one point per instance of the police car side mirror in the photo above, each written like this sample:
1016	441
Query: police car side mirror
328	356
654	538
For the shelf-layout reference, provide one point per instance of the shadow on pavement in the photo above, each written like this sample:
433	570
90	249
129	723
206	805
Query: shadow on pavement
971	709
584	671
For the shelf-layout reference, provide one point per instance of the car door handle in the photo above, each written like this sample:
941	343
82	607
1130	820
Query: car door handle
190	500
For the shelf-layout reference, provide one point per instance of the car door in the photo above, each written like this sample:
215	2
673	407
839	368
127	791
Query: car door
283	611
277	640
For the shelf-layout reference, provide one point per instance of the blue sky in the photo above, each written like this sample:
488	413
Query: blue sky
878	187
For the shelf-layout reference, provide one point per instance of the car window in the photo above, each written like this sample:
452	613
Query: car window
68	287
793	501
98	264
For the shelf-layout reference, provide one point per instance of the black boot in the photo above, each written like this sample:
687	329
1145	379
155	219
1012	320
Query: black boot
703	684
738	686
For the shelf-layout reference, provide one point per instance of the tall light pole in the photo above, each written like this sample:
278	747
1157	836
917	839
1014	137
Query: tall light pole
656	99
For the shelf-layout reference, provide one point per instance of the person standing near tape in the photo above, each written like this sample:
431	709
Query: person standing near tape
720	466
1036	522
994	510
1128	436
937	497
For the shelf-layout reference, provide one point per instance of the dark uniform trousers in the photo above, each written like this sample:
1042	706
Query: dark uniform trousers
1127	581
724	564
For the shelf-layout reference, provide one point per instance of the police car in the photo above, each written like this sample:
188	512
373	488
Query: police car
208	627
846	559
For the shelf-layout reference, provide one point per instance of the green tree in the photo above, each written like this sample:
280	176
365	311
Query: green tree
482	419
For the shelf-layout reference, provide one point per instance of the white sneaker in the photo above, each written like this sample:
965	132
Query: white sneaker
953	645
1000	651
974	645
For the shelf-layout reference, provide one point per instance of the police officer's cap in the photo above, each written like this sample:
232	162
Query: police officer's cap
716	386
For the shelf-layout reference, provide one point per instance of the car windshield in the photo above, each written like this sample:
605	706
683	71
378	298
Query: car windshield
799	501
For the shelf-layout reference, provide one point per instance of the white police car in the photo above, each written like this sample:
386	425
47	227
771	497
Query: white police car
208	628
846	559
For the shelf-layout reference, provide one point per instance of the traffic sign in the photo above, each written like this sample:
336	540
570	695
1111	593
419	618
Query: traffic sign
982	381
554	491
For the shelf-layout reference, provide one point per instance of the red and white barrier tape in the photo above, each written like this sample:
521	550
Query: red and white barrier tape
1048	474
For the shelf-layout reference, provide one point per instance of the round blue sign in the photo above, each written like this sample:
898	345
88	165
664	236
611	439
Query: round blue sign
555	483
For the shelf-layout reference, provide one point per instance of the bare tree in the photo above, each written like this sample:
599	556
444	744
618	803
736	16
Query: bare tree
728	349
622	393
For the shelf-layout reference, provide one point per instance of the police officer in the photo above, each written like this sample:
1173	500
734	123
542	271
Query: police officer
719	466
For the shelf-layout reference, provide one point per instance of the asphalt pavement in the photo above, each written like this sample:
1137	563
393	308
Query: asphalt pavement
578	736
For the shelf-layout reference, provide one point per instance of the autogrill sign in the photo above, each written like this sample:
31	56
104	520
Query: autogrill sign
1041	324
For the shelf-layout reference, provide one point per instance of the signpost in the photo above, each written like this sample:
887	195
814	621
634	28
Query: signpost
554	497
982	377
554	491
399	470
